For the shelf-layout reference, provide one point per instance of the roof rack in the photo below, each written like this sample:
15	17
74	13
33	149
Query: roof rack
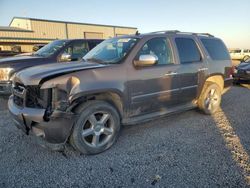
201	34
205	34
179	32
166	31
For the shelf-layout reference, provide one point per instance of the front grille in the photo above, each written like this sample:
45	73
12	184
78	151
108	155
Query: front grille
31	96
18	101
19	94
34	97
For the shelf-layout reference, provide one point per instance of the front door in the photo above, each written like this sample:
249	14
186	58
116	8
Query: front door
154	88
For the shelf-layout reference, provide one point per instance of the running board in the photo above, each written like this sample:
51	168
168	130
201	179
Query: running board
162	113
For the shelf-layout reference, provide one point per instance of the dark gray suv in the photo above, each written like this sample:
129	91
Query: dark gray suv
57	51
124	80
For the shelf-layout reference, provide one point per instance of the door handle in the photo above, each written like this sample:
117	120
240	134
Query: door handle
169	73
202	69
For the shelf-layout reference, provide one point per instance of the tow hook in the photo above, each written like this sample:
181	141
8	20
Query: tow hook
27	129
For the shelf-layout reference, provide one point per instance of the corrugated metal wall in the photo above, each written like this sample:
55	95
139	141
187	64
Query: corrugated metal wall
44	31
50	30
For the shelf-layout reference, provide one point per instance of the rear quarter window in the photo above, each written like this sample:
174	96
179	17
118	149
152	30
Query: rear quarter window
216	49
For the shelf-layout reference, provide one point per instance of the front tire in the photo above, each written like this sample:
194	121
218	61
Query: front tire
210	98
97	128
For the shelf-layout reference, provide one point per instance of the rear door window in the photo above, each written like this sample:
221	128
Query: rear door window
216	49
188	50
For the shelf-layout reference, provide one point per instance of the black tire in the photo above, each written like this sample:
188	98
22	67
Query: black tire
96	129
210	98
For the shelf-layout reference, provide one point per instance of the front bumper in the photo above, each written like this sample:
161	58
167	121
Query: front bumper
5	87
55	131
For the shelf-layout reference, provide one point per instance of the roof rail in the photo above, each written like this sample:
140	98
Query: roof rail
166	31
179	32
205	34
191	33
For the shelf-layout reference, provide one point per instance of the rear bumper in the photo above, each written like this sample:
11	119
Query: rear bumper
5	87
30	120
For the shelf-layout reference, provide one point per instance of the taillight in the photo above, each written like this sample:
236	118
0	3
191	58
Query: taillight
232	71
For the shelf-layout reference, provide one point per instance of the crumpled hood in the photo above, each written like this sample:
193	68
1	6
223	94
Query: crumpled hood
34	75
244	66
8	61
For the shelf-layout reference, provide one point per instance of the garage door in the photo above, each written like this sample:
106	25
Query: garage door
93	35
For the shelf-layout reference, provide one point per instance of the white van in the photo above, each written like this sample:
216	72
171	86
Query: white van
240	54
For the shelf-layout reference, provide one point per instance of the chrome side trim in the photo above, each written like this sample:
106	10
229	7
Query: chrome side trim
202	69
171	73
189	87
155	93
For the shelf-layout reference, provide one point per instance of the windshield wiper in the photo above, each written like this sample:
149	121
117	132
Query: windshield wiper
95	60
35	54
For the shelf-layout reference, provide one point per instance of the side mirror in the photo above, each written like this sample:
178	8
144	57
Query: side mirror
146	60
65	57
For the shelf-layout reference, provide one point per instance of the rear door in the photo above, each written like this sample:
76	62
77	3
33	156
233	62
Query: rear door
193	67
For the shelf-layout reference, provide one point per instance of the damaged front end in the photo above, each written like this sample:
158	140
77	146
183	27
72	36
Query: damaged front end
43	110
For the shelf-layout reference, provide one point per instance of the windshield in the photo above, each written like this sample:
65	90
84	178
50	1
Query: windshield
111	50
235	51
50	48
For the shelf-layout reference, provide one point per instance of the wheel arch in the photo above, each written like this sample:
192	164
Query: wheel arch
218	79
215	78
113	97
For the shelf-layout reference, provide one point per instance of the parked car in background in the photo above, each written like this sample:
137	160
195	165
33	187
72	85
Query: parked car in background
16	48
124	80
242	72
37	47
240	54
56	51
7	53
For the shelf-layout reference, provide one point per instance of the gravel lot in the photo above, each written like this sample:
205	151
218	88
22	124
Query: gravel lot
184	150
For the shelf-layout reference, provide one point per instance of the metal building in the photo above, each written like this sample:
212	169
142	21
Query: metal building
25	32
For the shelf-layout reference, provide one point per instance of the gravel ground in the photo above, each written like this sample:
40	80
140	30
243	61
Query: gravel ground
184	150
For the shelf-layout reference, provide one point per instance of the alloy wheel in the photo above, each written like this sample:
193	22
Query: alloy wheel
98	129
212	99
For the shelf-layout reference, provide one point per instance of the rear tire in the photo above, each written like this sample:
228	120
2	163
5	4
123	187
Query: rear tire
96	129
210	98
